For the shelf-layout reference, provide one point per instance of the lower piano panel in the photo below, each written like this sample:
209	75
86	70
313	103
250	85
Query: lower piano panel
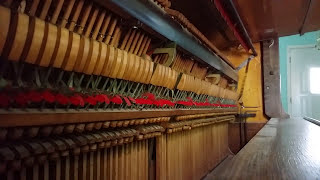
172	155
191	154
128	161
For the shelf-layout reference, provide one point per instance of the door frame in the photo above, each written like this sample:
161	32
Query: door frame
289	92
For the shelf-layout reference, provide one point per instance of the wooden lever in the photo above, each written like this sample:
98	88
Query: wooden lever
67	13
75	15
110	31
84	19
91	22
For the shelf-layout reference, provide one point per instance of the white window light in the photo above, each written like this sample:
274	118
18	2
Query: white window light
315	80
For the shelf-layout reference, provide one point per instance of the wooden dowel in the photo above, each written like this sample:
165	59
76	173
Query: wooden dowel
143	44
118	39
104	27
91	22
45	9
138	46
84	18
146	47
67	13
56	12
115	36
125	39
34	7
98	25
75	15
134	42
111	30
130	40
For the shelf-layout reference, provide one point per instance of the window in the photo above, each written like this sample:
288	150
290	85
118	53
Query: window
314	80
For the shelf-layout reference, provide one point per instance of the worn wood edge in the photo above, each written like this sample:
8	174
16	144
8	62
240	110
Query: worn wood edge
35	117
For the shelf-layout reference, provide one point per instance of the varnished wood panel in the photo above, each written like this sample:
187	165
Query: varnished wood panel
272	18
50	117
283	149
271	80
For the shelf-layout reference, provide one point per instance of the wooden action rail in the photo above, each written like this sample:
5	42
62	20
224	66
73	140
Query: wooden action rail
116	65
73	52
49	117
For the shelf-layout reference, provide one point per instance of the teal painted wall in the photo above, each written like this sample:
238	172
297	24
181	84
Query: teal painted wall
284	42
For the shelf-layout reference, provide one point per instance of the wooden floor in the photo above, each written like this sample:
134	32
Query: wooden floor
283	149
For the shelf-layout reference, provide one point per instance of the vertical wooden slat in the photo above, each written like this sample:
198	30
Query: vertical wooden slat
169	138
103	165
46	170
67	170
134	164
159	158
58	169
146	160
110	156
10	175
130	160
35	172
121	162
91	165
126	161
84	166
23	174
75	167
139	160
115	163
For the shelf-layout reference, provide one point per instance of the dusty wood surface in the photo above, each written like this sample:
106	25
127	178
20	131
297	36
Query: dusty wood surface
283	149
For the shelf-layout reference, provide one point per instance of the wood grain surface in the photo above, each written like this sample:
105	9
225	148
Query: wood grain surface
283	149
49	117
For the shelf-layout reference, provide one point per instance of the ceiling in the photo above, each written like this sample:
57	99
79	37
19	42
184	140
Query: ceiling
265	19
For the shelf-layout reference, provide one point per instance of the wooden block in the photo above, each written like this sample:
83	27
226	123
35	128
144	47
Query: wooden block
4	24
56	12
84	18
19	26
72	52
75	15
101	59
60	48
91	22
48	45
116	64
69	128
83	54
111	30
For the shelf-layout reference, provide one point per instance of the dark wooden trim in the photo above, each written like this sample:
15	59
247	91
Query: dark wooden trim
52	117
312	120
271	80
